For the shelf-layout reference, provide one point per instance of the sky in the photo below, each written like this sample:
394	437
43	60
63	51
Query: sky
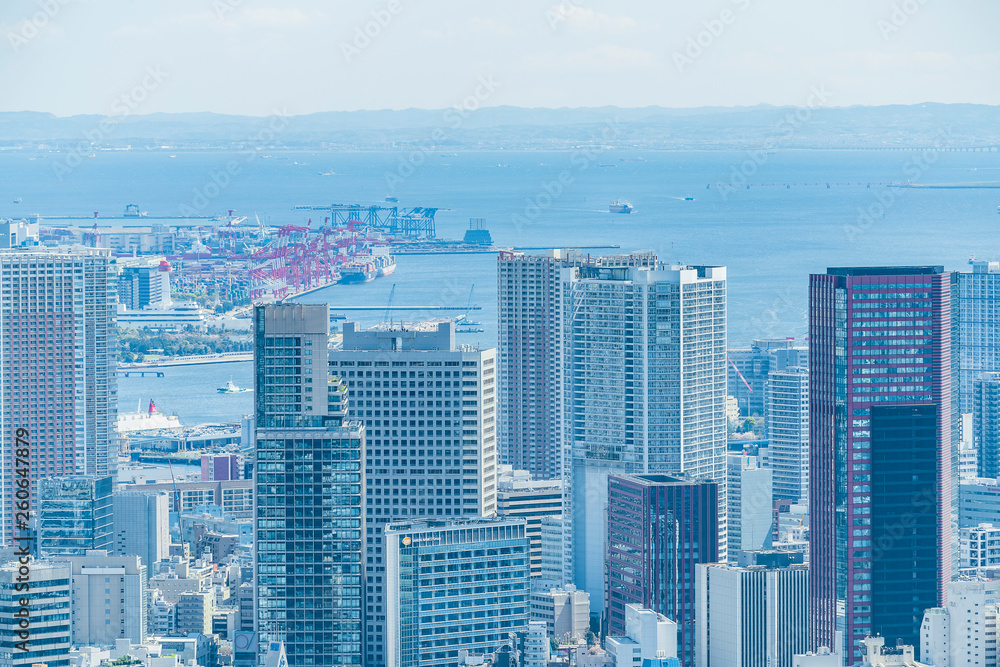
256	57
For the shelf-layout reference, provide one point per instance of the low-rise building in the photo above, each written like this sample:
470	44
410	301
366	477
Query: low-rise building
565	612
874	652
964	632
648	637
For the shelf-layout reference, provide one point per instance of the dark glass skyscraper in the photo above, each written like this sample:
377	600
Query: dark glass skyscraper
659	528
309	488
880	484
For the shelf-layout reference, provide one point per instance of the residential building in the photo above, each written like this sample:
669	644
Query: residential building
194	612
565	611
108	596
58	369
980	546
429	410
530	314
880	447
650	639
520	496
141	524
963	632
749	368
985	400
659	528
164	618
535	651
643	391
787	410
755	614
309	489
426	591
75	515
46	634
750	520
978	328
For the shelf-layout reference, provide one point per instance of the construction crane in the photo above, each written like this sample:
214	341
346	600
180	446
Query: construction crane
388	307
464	319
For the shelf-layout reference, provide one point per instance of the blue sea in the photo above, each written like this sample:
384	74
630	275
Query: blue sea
776	218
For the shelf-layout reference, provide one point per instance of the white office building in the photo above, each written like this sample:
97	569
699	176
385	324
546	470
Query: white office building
648	637
453	585
752	615
429	409
565	611
750	517
964	632
643	390
787	416
109	599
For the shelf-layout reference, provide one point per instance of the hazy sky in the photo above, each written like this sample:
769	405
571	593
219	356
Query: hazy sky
303	56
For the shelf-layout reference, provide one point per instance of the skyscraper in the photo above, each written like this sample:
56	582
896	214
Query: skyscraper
787	410
309	489
452	585
659	528
880	477
58	375
643	390
978	327
530	309
985	408
429	410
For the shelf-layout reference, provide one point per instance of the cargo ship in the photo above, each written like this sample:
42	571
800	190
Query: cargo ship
358	272
384	263
620	207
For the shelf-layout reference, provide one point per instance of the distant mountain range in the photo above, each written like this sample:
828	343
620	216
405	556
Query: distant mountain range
755	128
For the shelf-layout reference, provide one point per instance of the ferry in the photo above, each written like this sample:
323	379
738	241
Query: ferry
129	422
620	206
231	388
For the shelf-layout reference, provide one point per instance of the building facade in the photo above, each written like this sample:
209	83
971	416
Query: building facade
643	391
142	525
787	410
533	501
58	372
454	585
753	615
148	286
978	327
429	410
750	516
309	482
108	599
985	409
659	528
650	640
565	611
47	633
75	515
530	308
880	449
963	632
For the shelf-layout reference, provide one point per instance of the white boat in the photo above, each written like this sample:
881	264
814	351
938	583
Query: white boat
150	420
231	388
